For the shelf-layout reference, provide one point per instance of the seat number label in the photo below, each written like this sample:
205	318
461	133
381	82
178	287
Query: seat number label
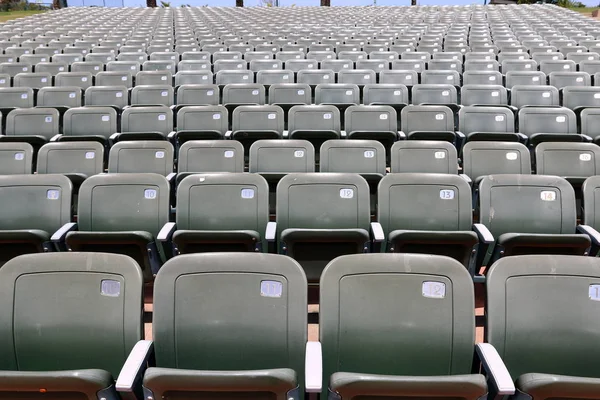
90	155
439	155
271	289
369	154
511	156
110	288
247	193
446	194
594	292
53	194
585	157
346	193
434	290
299	153
548	195
150	194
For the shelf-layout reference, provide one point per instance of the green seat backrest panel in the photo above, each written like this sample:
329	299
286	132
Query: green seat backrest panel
487	158
337	93
258	118
90	121
591	201
426	118
71	157
124	202
430	202
547	120
33	121
16	97
282	156
311	117
536	330
534	95
385	93
64	311
203	118
147	119
567	159
355	156
485	119
527	204
211	156
256	319
243	93
235	201
323	201
416	310
371	119
15	158
106	95
154	156
434	93
589	121
429	156
35	202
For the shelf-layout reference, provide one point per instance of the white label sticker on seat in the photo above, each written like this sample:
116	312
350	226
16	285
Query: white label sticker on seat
408	77
105	118
247	193
327	116
445	93
164	94
590	58
228	154
44	80
446	194
210	92
271	289
348	92
300	92
546	94
594	292
561	118
310	65
522	58
25	69
84	79
72	95
159	154
271	116
245	77
150	194
48	118
499	118
383	116
555	58
299	153
255	93
527	66
422	57
597	95
19	156
492	78
579	79
439	155
53	194
346	193
285	77
367	76
163	78
369	154
397	92
433	290
511	156
168	67
90	155
124	78
585	157
548	195
439	117
566	66
2	81
417	65
162	117
216	116
119	94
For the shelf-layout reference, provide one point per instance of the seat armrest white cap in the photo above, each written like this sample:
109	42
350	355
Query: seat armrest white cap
313	368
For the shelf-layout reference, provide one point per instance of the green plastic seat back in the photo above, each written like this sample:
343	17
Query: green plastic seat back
155	156
426	118
65	311
527	204
547	120
198	94
429	202
83	121
147	119
357	76
323	201
370	119
33	121
437	77
562	337
234	201
244	93
71	157
124	202
79	79
258	118
485	119
59	97
514	78
275	76
591	202
314	117
482	78
354	156
193	77
534	95
35	80
114	78
153	78
106	96
282	156
586	96
590	117
571	79
152	94
234	76
211	156
385	93
567	159
430	156
312	76
203	118
428	315
35	202
260	306
16	158
487	158
483	94
434	94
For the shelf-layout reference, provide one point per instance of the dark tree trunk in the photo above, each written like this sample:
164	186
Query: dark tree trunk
151	3
325	3
239	3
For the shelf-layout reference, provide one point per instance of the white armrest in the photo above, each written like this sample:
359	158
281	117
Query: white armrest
313	374
495	368
377	230
133	368
271	231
